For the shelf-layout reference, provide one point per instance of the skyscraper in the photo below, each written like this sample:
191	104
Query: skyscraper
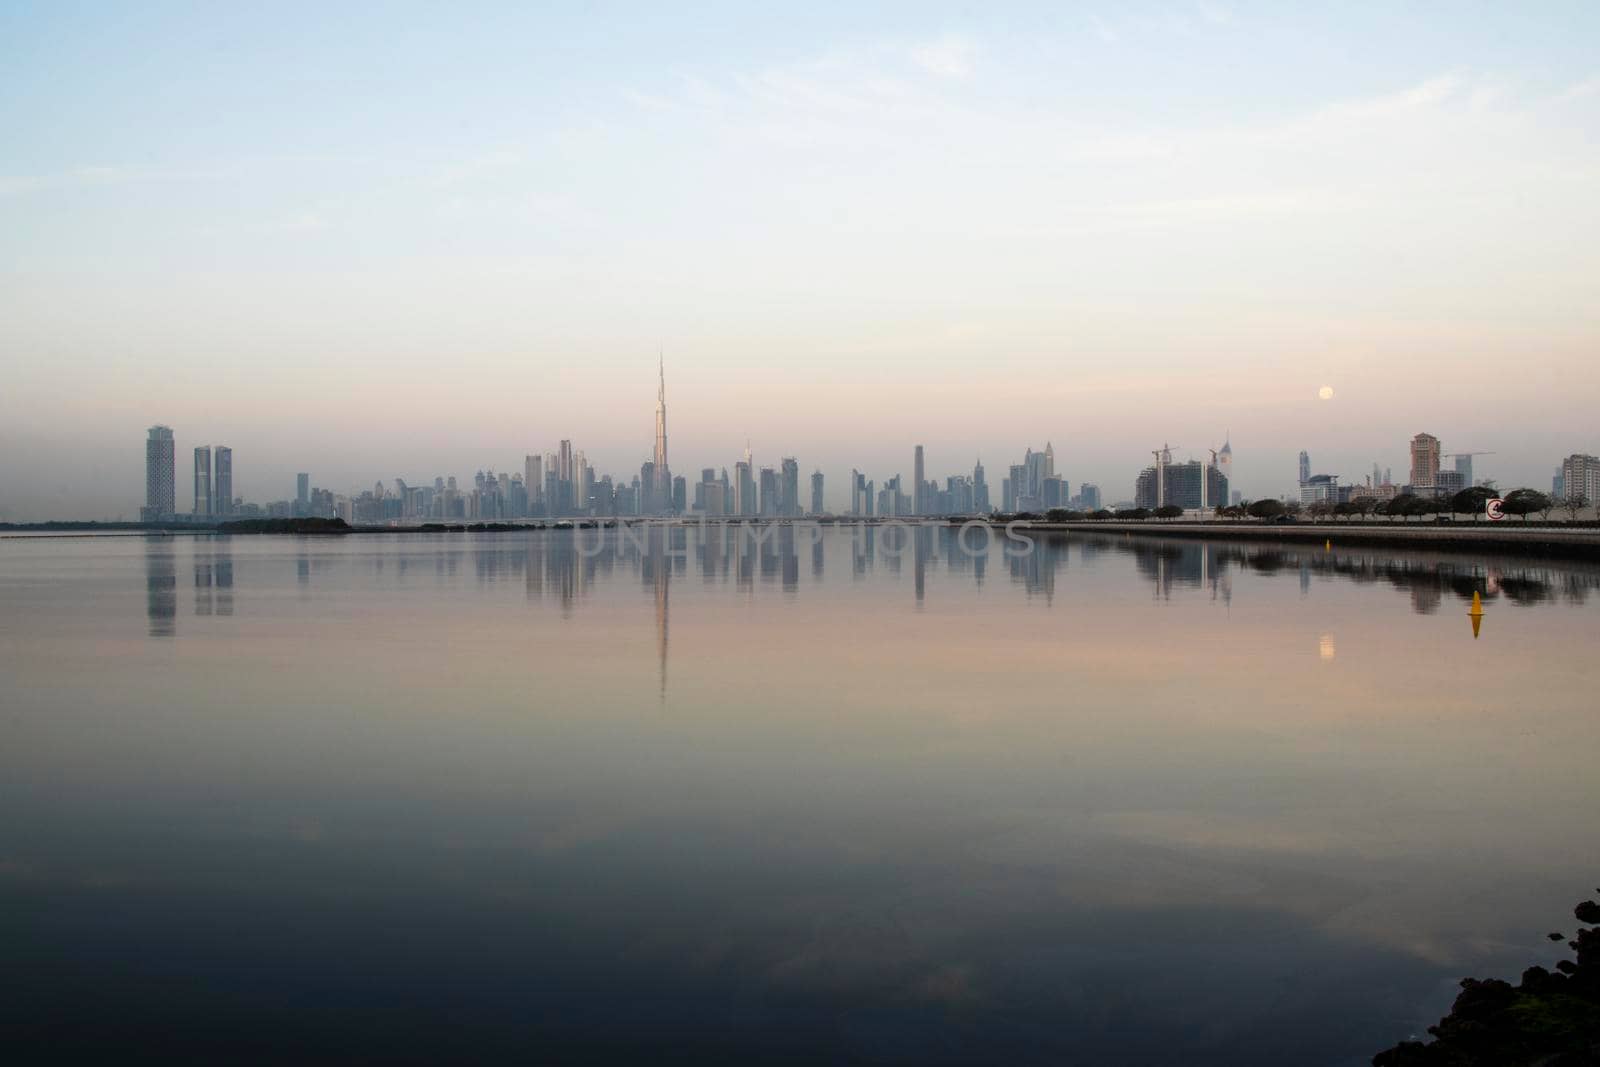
790	489
1424	460
582	483
1225	461
919	495
302	488
159	476
648	503
562	505
980	489
202	482
769	492
663	474
222	486
816	493
533	480
1580	476
744	489
1305	467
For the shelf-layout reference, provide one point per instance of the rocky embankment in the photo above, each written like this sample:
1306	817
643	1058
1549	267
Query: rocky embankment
1545	1020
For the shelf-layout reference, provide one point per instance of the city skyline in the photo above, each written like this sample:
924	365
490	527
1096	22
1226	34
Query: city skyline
859	230
563	483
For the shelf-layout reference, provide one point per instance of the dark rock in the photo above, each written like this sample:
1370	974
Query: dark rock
1548	1020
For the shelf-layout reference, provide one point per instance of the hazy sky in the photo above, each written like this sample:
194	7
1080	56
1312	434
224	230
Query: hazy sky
409	240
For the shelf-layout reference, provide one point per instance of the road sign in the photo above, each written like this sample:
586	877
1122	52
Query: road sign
1495	508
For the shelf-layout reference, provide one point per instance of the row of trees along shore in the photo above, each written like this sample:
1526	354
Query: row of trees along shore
1519	502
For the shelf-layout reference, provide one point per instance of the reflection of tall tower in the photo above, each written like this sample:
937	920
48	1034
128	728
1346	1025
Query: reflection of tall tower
658	568
161	580
663	487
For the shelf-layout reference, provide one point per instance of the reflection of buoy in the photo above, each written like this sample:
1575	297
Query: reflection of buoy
1476	614
1477	621
1327	546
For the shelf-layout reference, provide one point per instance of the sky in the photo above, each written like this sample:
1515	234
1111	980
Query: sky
409	240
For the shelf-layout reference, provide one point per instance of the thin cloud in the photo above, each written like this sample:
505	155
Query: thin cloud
95	175
948	57
1580	91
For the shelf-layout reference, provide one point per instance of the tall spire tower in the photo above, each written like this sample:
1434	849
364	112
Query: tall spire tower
663	486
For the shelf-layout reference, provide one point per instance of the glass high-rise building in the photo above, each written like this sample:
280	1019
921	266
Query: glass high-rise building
769	492
202	482
919	492
663	472
222	482
160	477
790	487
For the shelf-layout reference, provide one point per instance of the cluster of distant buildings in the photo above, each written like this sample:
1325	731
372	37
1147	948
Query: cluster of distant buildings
1578	476
1429	477
562	483
213	480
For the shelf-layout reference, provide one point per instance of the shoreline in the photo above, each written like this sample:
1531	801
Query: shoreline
1551	542
1542	541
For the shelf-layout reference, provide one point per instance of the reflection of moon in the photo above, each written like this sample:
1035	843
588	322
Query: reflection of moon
1325	647
1325	393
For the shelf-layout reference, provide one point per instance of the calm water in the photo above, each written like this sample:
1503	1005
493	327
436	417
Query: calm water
540	796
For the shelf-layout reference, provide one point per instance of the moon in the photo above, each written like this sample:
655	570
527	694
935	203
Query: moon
1325	393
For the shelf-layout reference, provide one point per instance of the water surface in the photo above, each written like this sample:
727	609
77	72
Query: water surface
891	796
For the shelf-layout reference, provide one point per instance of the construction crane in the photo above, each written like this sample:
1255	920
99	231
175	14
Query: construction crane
1163	456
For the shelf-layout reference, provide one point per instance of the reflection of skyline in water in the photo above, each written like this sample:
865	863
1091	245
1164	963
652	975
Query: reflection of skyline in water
1077	742
213	577
161	584
566	567
211	564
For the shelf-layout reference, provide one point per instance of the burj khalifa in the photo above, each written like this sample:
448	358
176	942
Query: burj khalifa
662	490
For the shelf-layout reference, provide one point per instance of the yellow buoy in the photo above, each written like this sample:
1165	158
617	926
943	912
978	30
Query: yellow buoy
1477	604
